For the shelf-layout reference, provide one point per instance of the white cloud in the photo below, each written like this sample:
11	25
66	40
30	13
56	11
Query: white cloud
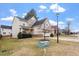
13	12
57	8
52	22
10	18
61	25
61	22
43	8
70	19
54	7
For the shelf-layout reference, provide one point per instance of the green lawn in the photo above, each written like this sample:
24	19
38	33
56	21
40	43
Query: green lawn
27	47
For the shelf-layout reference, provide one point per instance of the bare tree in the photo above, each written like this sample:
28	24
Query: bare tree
68	27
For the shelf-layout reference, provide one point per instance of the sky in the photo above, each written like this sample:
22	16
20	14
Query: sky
67	12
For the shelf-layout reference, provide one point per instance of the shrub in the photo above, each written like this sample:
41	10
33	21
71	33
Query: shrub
19	35
24	35
51	35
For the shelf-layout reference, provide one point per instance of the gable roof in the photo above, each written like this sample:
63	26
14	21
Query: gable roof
6	27
27	18
19	17
40	22
30	14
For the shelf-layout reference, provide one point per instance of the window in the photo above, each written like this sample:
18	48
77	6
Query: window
23	24
9	33
4	32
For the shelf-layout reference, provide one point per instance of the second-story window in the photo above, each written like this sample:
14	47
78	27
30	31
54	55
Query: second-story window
23	24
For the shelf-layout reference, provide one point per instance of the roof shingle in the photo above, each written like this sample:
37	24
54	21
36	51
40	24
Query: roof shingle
39	22
6	27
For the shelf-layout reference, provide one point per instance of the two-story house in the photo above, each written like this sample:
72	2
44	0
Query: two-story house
30	24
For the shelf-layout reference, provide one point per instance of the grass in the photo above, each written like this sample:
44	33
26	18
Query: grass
7	45
28	47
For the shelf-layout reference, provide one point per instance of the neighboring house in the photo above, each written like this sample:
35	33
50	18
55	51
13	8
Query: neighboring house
54	29
31	25
5	30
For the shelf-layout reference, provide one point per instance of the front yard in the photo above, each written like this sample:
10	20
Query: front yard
28	47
